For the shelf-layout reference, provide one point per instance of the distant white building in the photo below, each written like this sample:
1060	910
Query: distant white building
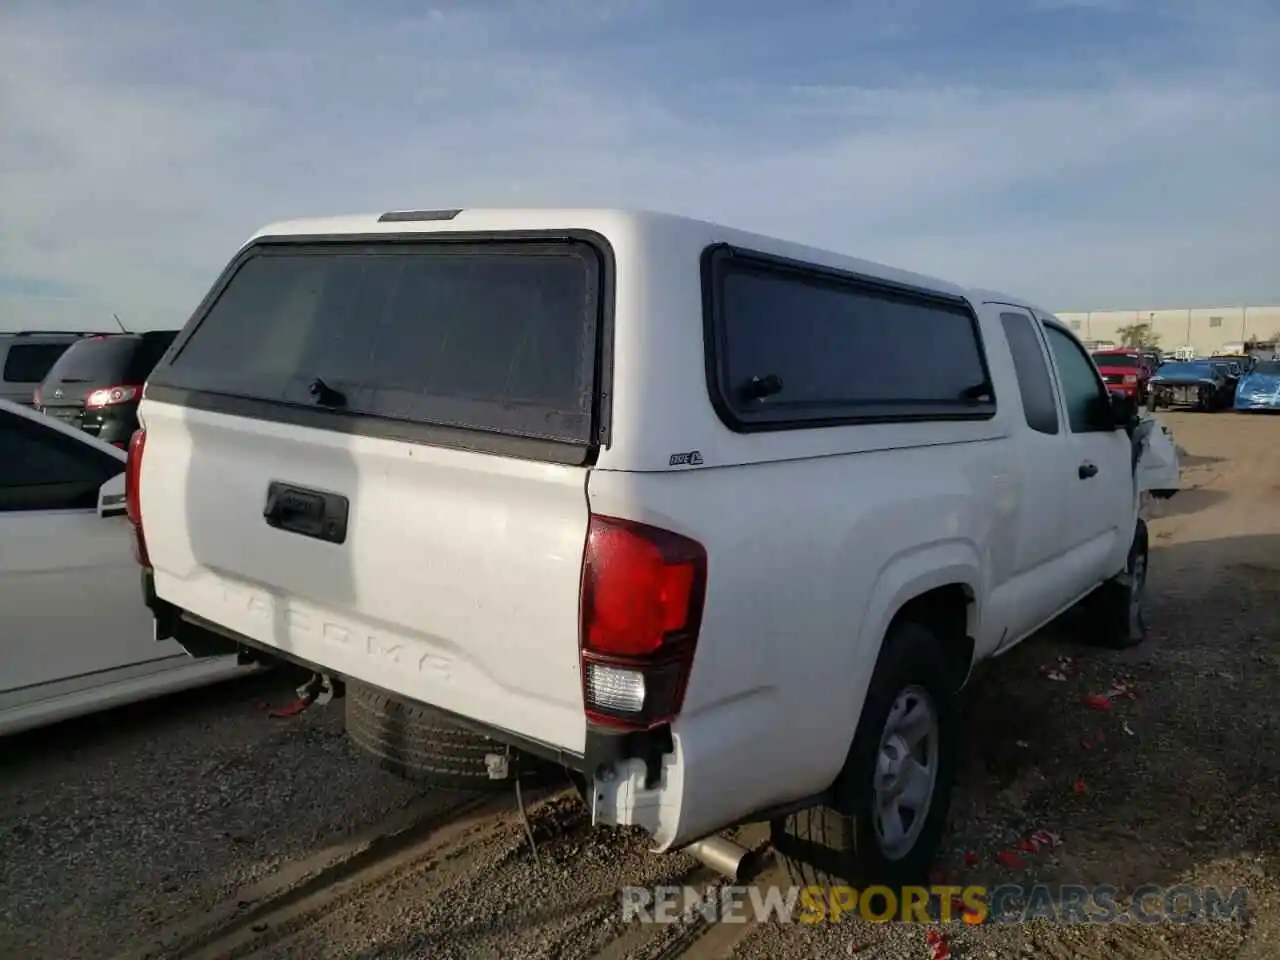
1204	329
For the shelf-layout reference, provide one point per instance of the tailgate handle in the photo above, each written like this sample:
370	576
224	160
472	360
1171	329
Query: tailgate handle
309	513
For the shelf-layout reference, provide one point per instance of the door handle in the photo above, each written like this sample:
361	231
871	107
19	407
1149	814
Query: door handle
309	513
1087	470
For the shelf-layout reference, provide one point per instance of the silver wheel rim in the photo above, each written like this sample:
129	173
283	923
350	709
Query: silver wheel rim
906	770
1137	588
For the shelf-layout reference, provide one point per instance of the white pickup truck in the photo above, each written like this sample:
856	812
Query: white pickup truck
716	521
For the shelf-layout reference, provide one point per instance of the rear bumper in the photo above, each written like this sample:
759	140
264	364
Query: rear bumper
604	748
678	786
114	427
1184	394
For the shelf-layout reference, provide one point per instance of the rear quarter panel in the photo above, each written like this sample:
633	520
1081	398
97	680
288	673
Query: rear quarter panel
808	562
815	538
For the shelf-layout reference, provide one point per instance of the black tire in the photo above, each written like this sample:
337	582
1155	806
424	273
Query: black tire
420	744
1116	617
827	846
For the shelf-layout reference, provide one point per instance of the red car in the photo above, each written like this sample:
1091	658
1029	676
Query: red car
1125	371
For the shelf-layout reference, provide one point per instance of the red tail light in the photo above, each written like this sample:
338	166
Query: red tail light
133	494
642	595
110	396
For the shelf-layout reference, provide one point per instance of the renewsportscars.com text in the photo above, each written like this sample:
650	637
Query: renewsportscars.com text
1009	903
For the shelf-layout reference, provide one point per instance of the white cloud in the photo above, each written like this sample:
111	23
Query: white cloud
139	146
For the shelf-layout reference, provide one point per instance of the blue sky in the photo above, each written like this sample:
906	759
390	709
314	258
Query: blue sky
1086	153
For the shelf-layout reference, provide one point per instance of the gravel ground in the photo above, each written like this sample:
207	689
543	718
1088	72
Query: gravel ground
117	827
113	825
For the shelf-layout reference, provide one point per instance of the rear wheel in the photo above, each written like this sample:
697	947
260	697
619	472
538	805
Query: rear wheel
893	792
419	743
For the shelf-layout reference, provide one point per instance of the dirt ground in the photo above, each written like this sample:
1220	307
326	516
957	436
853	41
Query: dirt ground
200	827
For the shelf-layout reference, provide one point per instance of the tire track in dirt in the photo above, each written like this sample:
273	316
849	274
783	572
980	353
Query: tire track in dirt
308	887
453	876
565	905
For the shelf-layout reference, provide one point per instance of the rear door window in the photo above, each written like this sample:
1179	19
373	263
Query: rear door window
31	362
1035	383
492	336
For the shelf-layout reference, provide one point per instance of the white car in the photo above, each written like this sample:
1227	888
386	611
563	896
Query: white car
717	521
75	635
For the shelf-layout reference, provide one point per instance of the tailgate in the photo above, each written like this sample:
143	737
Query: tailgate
457	583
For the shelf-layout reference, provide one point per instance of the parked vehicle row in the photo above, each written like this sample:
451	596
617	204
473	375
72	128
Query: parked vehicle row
75	636
471	504
1242	382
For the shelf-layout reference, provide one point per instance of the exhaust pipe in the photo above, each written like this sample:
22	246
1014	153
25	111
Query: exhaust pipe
723	856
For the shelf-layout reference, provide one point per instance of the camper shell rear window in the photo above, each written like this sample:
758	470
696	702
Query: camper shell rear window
500	335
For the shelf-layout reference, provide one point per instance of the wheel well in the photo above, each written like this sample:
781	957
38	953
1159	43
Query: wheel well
945	611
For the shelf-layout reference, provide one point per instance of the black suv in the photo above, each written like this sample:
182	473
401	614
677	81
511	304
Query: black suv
96	385
26	357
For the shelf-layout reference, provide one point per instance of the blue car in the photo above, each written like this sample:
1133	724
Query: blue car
1259	389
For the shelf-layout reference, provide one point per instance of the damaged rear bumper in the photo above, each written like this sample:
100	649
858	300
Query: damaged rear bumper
606	750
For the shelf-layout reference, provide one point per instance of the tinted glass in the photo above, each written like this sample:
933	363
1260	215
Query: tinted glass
1185	370
1269	367
1039	402
841	349
31	362
496	336
32	456
124	359
1082	390
1116	360
150	350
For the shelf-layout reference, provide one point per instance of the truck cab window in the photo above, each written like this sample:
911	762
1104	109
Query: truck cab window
1083	392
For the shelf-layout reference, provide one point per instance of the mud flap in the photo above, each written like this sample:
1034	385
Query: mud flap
1156	467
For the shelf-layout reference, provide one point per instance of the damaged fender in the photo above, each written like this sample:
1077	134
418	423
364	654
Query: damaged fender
1156	466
